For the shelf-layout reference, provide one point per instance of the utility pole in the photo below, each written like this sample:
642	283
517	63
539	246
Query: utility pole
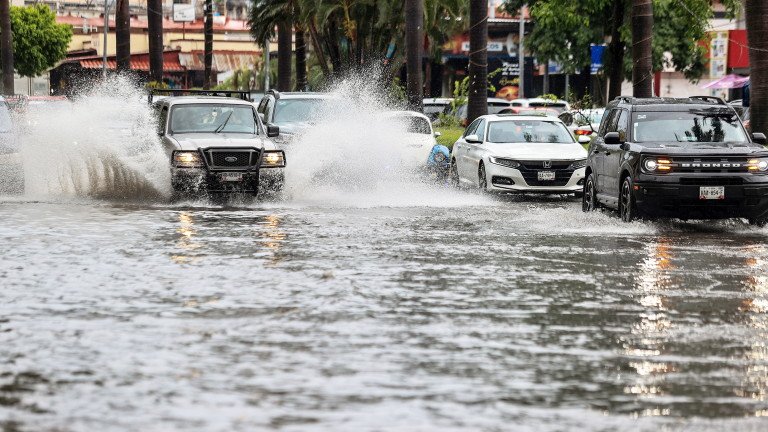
284	55
267	70
642	35
414	39
123	36
6	46
208	46
477	104
155	30
521	54
104	48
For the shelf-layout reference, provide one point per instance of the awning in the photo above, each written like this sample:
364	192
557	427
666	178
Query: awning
727	82
222	60
140	65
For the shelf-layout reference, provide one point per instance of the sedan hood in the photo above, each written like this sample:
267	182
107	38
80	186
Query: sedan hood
194	141
537	151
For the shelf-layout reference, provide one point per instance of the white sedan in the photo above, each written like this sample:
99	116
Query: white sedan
417	136
516	153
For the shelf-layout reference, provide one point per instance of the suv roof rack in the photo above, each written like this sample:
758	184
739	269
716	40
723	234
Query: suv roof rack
244	95
710	99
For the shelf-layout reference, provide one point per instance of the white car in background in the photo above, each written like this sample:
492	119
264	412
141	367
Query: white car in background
519	153
419	137
558	104
583	123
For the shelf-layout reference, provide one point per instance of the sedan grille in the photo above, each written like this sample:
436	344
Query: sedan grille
545	164
531	176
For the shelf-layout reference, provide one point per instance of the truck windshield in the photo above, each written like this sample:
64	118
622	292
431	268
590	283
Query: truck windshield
528	131
213	118
691	126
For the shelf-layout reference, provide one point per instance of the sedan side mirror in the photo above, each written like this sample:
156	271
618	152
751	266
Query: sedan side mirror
584	139
437	134
472	139
759	138
273	131
612	138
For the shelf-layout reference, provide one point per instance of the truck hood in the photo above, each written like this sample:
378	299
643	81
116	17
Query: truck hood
537	151
194	141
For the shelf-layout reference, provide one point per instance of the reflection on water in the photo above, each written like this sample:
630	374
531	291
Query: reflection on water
186	239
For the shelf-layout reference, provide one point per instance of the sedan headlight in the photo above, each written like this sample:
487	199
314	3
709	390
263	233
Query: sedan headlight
509	163
578	164
273	159
187	159
760	165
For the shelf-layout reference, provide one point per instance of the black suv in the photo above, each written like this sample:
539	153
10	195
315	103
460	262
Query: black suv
688	158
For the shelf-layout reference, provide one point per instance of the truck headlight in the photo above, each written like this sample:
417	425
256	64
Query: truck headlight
273	159
509	163
657	165
187	159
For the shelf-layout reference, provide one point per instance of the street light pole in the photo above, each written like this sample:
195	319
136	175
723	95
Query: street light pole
521	55
104	48
266	65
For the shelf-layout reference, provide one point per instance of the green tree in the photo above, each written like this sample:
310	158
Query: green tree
38	41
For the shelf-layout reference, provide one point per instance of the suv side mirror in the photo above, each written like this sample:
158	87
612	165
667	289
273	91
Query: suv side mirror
759	138
612	138
273	131
472	139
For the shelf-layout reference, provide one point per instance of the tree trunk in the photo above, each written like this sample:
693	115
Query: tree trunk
6	46
477	105
414	27
616	51
642	35
301	60
756	12
155	30
284	54
317	46
123	36
208	45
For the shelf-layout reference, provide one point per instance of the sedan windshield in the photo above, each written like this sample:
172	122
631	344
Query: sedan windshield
531	131
213	118
692	126
413	124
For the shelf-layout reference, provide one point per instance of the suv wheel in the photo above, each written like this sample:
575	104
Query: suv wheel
627	206
589	196
482	181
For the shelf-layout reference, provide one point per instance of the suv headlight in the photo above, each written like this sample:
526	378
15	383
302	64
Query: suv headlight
273	159
654	165
760	165
578	164
509	163
187	159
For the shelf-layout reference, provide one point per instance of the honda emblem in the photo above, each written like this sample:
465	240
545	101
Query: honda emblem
546	164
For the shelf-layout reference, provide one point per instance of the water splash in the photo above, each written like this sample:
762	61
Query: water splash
102	145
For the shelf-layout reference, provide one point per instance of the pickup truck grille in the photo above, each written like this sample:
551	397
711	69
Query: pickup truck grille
231	158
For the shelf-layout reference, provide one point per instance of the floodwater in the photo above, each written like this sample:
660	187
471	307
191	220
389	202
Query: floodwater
364	306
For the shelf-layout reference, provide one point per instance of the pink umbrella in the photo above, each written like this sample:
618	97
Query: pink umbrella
728	82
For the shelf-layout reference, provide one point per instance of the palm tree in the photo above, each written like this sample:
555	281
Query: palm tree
301	50
155	30
123	35
266	15
414	24
6	47
284	54
642	60
616	51
756	12
478	59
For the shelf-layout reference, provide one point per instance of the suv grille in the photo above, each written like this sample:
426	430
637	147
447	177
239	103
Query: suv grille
231	159
709	164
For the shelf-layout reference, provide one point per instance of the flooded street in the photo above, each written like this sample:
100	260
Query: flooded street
442	311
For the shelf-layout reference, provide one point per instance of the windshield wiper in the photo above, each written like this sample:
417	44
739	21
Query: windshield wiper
224	124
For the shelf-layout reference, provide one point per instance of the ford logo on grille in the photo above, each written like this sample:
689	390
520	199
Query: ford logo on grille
230	159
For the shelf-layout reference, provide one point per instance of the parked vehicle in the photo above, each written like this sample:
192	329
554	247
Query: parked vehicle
495	106
434	106
419	137
559	105
218	145
515	153
687	158
583	122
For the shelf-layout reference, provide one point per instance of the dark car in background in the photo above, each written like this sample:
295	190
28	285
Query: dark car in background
293	112
688	158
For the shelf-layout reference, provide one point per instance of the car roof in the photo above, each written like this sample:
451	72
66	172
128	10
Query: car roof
406	113
507	117
306	95
671	104
186	100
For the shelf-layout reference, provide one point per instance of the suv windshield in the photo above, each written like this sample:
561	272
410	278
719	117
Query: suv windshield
532	131
297	110
208	118
691	126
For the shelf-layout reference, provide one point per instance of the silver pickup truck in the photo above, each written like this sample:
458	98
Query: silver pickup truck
218	145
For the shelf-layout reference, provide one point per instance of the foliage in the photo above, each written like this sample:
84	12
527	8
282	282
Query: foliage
449	134
38	41
157	85
565	29
397	91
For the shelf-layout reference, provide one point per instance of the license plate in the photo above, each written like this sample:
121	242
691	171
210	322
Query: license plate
231	177
712	192
546	175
